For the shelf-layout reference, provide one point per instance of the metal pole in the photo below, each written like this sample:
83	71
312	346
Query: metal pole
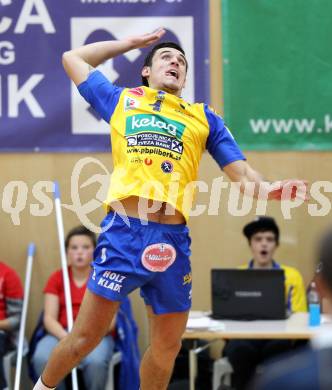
27	283
69	308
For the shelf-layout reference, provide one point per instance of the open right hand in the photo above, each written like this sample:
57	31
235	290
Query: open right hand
145	40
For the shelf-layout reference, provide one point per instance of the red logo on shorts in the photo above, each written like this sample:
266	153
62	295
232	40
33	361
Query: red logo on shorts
137	91
158	257
148	161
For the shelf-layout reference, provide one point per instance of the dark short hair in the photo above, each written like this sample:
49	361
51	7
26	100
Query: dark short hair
260	225
324	268
148	59
80	231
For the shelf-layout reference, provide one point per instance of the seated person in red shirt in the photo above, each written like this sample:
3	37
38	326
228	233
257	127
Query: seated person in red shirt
80	244
11	302
245	355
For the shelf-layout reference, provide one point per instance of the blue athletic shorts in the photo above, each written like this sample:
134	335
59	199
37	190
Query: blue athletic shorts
154	257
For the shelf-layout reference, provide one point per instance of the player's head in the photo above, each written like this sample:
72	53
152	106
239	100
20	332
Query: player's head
80	243
165	67
263	238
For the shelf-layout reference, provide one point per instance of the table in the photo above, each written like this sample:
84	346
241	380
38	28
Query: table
295	327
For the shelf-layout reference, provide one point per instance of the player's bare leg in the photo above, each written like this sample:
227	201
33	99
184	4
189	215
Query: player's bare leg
91	325
157	365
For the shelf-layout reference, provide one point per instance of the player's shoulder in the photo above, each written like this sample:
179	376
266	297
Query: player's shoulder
7	271
195	107
5	267
213	116
211	109
56	275
291	271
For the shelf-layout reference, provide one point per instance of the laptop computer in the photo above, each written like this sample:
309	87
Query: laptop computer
248	294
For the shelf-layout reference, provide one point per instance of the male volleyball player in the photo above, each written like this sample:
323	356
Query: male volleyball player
156	136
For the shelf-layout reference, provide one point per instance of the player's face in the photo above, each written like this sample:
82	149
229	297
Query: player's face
168	71
263	246
80	251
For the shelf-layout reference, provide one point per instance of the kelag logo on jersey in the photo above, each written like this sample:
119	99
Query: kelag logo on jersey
155	131
156	123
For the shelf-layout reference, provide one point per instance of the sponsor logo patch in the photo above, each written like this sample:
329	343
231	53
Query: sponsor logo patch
130	103
111	281
187	279
155	140
136	160
177	146
166	166
154	123
154	151
158	257
159	101
103	256
137	91
132	141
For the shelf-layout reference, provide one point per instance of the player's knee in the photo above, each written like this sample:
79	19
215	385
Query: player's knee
166	347
82	344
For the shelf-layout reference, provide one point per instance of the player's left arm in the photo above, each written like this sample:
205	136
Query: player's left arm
224	149
13	295
243	174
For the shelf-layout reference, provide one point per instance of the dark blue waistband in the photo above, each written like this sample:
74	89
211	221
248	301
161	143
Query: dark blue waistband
145	224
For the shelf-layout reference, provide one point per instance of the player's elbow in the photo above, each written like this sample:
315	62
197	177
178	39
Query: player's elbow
69	62
76	68
66	59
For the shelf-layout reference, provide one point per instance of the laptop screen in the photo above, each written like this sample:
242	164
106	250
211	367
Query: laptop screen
248	294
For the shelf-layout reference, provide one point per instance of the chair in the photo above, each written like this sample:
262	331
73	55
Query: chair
116	359
9	361
222	371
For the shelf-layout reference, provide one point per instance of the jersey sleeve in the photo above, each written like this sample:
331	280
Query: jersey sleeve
14	298
13	285
220	142
53	284
101	94
298	294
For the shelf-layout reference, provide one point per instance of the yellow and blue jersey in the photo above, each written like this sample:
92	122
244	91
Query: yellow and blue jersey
295	294
157	141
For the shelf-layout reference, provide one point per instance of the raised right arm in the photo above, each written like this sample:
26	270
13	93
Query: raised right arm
79	62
